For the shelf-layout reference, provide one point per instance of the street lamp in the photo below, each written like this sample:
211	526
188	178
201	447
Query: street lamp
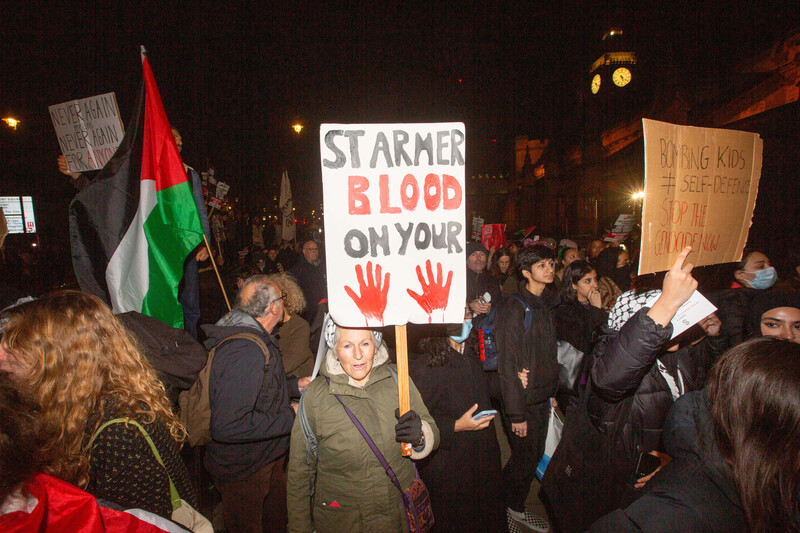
297	128
12	122
638	195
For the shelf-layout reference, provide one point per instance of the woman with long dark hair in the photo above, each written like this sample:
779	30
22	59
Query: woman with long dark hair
504	271
580	312
735	449
463	474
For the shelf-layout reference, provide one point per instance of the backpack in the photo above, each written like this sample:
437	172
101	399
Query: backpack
487	342
173	352
194	403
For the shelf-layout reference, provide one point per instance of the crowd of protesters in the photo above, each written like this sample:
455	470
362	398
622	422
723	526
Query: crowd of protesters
694	432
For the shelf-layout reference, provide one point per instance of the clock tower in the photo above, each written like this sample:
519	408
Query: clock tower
613	79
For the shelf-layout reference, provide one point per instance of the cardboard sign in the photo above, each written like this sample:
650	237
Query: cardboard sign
622	229
700	190
88	130
394	222
493	236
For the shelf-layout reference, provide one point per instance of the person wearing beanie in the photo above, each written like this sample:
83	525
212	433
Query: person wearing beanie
479	283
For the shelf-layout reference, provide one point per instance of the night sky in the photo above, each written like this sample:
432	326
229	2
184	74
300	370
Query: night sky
234	78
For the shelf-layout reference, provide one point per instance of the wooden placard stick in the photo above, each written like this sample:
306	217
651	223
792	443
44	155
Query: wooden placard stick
401	343
214	264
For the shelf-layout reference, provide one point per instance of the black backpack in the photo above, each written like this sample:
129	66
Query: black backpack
173	352
487	342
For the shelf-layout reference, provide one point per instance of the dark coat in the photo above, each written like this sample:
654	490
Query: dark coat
734	308
313	282
696	491
535	351
627	388
479	284
251	418
463	474
578	325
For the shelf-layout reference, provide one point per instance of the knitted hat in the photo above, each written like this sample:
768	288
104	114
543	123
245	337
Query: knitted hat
475	246
626	306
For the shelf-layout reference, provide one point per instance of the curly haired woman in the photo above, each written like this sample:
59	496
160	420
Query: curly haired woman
294	333
79	364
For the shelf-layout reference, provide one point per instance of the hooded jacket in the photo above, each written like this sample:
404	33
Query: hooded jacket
696	491
534	350
251	418
352	491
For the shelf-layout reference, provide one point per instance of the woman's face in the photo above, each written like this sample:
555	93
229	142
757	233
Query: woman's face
585	285
783	322
503	263
356	351
623	259
570	256
543	271
595	247
755	261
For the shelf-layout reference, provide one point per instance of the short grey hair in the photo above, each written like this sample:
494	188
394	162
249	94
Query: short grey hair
265	292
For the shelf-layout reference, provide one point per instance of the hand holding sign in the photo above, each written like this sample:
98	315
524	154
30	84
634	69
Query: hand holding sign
679	285
435	295
372	302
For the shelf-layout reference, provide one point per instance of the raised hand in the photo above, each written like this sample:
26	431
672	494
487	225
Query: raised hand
435	294
678	286
374	293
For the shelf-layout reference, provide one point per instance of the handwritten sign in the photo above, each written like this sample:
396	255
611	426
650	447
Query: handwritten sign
88	130
493	236
394	222
700	190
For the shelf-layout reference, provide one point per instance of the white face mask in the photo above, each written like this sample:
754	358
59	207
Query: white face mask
765	278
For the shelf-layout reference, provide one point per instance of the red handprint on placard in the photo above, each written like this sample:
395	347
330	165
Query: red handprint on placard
435	295
372	302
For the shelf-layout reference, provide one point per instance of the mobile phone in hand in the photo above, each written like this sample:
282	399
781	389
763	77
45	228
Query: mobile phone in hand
484	414
647	465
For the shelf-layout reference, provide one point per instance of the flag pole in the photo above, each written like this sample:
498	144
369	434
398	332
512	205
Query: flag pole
216	270
402	378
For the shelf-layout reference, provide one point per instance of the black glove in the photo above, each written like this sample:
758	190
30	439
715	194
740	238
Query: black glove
408	428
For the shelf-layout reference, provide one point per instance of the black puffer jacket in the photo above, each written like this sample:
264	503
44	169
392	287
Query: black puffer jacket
627	388
694	492
535	351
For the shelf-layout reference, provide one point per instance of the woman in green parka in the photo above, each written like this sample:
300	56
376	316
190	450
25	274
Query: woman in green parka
351	490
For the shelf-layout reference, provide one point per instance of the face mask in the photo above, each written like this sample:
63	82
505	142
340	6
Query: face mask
764	279
466	327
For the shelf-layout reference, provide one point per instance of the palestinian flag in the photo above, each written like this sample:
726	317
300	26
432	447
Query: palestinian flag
133	226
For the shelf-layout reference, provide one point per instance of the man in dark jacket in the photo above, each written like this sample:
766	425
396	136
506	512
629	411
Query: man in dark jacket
526	406
251	418
479	282
310	274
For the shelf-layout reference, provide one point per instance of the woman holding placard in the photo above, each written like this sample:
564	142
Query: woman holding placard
351	489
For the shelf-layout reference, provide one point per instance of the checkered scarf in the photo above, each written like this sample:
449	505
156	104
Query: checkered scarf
626	306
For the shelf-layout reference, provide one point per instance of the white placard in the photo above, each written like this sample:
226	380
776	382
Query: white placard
394	222
19	215
88	130
693	310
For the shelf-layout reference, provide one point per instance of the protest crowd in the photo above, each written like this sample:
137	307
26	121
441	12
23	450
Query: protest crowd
564	385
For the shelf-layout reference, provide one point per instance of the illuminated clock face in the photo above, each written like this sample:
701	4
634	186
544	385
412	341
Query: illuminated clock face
595	83
621	77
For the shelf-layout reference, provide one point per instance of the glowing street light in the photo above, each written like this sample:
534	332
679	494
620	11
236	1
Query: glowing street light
638	195
297	128
12	122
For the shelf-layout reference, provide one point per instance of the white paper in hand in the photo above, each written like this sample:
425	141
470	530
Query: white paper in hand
693	310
